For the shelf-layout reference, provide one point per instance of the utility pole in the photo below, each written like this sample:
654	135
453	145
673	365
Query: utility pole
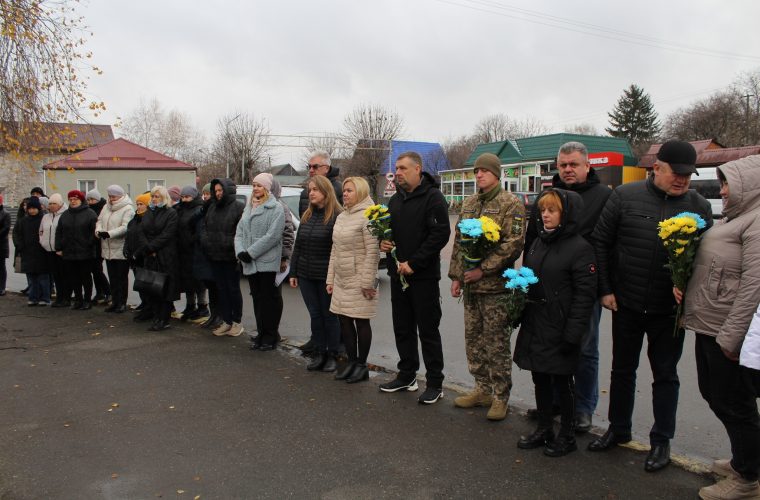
746	118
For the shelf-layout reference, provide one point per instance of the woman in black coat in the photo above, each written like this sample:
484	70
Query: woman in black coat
308	270
131	244
157	246
188	213
34	260
75	243
557	315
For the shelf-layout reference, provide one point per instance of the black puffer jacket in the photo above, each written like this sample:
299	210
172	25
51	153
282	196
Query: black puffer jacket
157	245
559	308
97	208
220	223
34	258
420	226
333	175
187	235
630	255
132	241
311	252
594	197
5	228
75	234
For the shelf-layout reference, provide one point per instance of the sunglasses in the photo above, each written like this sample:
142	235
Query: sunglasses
315	166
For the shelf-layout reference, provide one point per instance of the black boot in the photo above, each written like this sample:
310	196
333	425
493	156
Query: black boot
317	362
201	312
346	372
540	437
188	312
330	364
77	304
360	373
86	305
143	315
564	444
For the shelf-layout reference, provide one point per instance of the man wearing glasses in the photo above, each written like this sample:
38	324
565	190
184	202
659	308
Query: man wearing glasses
319	164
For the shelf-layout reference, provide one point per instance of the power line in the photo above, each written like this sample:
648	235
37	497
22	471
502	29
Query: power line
580	27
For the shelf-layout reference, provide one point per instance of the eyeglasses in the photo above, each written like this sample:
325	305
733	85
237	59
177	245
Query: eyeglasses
315	166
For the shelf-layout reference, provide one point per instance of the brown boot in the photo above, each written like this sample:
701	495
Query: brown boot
498	410
732	488
473	399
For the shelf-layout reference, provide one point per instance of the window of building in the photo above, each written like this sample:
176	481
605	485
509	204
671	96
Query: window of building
86	185
155	182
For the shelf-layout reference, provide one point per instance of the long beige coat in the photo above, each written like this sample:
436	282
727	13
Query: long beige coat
353	263
724	288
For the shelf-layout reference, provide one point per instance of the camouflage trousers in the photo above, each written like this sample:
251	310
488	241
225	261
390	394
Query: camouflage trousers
487	341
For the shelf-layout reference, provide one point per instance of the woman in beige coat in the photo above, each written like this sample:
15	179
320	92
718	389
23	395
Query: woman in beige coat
721	299
352	278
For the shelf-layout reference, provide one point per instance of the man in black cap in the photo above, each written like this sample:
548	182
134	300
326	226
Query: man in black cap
635	285
38	192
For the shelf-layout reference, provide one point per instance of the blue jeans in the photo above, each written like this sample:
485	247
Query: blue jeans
39	287
587	374
227	279
325	328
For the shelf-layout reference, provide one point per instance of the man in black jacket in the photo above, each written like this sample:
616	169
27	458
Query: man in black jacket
420	227
635	285
320	164
574	173
5	228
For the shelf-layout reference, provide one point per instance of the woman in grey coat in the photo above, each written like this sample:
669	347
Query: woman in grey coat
258	245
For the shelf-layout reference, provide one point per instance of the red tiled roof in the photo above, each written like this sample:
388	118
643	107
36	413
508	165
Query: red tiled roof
715	157
119	154
67	137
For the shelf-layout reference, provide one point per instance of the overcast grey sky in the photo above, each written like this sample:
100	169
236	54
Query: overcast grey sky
441	64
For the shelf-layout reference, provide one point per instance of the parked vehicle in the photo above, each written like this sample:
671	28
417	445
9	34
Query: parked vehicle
290	195
708	185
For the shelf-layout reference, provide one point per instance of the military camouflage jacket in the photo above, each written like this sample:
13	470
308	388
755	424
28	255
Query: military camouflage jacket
509	213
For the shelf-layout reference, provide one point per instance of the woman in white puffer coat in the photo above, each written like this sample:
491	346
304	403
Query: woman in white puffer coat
352	278
111	228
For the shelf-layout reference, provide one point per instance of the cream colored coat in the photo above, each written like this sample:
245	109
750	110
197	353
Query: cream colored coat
353	264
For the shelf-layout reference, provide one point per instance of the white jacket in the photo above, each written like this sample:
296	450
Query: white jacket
47	229
113	219
750	355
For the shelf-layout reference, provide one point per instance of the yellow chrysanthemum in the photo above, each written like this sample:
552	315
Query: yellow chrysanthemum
683	242
492	236
679	250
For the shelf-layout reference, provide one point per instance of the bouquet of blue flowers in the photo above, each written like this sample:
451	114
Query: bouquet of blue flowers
518	281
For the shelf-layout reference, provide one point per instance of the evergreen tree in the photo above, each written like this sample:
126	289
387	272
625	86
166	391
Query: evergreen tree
634	117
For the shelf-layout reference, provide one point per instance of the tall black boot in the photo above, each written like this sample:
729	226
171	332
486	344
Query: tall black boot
541	436
361	372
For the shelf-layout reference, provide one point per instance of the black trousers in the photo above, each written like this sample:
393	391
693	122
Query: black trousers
3	274
264	294
546	385
118	274
726	389
58	268
664	351
99	277
79	273
418	311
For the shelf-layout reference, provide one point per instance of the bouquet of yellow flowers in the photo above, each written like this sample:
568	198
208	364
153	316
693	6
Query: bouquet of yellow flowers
478	236
680	237
379	225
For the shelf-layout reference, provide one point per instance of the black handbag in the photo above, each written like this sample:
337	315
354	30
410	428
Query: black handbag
150	282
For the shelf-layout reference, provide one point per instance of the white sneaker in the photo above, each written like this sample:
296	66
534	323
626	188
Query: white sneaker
235	330
222	330
732	488
722	467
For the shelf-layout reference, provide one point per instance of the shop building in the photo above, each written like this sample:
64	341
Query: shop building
528	165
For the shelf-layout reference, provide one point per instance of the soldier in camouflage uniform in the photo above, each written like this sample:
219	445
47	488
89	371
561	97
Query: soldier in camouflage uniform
486	331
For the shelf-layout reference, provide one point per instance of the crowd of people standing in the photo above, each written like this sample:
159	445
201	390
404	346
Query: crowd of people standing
589	246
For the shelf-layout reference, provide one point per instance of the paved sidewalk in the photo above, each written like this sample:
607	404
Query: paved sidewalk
95	406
